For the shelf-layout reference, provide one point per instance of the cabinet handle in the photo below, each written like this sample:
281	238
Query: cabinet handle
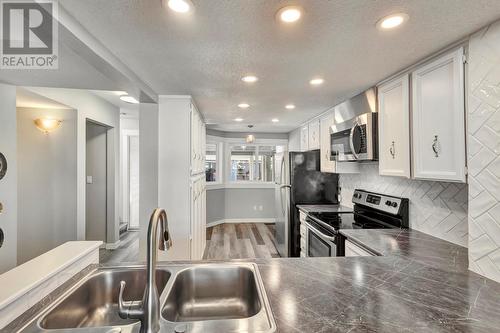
435	146
392	150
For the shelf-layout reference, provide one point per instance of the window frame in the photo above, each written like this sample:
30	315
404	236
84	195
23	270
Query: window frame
218	160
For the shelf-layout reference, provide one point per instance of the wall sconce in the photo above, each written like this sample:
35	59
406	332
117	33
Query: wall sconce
47	125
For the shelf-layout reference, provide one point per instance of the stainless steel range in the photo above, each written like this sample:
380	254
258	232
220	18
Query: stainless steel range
371	211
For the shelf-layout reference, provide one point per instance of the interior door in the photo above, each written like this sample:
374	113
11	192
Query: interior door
96	189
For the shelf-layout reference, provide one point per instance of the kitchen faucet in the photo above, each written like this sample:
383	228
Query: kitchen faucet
148	310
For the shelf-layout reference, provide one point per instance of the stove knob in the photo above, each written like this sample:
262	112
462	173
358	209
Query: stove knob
394	204
388	203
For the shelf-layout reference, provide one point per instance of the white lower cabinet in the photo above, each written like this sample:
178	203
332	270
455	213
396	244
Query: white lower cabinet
438	119
352	250
394	127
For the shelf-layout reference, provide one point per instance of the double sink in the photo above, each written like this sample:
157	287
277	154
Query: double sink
194	298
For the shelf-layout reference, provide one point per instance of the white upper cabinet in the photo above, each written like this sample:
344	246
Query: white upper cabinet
325	123
394	127
197	142
438	119
304	138
313	132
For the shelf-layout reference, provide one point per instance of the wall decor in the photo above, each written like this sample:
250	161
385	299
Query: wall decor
3	165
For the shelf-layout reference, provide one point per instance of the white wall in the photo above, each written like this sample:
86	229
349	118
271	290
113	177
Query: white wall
436	208
148	169
484	151
8	185
91	107
46	182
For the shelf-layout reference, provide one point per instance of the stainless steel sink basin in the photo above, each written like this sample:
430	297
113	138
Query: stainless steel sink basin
95	302
210	292
194	298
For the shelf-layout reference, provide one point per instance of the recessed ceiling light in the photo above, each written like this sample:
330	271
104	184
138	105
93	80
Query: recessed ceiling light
180	6
290	106
275	120
243	105
317	81
249	78
238	119
392	21
289	14
129	99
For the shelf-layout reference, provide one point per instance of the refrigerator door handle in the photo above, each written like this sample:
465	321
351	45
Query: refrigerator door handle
281	197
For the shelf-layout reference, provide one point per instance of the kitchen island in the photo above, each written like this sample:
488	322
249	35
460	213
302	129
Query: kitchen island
420	284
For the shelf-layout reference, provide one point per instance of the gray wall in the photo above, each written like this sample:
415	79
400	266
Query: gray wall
91	107
148	169
8	185
46	182
240	203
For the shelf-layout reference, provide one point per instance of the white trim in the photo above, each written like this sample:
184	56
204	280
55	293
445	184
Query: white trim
245	220
240	185
112	246
214	186
214	223
242	141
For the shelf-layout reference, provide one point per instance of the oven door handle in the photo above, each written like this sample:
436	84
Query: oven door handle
316	231
351	141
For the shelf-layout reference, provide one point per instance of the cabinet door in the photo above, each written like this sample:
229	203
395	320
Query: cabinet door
324	130
304	138
438	119
394	128
313	132
194	139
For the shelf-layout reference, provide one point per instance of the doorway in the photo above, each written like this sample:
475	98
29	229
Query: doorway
97	182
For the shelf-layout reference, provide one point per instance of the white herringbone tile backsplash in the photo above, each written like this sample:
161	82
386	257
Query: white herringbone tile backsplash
484	152
436	208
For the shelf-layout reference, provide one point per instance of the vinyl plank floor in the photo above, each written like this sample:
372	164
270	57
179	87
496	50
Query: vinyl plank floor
127	250
241	241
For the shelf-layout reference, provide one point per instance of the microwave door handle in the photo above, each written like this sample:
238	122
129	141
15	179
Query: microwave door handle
351	142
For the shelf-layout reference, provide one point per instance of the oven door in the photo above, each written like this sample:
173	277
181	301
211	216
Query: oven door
320	242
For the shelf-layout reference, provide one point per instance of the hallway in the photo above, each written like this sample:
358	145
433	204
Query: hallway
127	251
241	241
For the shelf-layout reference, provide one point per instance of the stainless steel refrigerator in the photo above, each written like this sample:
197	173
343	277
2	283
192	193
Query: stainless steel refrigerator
298	180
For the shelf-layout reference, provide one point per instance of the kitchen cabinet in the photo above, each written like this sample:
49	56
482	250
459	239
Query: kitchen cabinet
313	135
325	163
198	138
304	138
303	234
353	250
438	119
198	217
394	127
181	176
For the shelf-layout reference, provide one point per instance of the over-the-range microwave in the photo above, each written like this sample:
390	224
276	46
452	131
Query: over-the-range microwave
354	136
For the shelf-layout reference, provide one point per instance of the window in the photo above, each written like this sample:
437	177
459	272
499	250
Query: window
252	163
211	170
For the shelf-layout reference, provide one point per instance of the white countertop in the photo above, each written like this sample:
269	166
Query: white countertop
23	278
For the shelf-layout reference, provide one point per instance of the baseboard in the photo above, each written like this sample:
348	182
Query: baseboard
112	246
246	220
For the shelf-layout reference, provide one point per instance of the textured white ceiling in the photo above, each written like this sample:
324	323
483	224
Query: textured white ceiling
205	53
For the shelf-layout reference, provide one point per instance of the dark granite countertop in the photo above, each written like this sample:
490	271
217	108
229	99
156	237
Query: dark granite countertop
324	209
420	284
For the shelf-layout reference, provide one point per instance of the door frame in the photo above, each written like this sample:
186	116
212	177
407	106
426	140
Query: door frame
110	182
125	174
